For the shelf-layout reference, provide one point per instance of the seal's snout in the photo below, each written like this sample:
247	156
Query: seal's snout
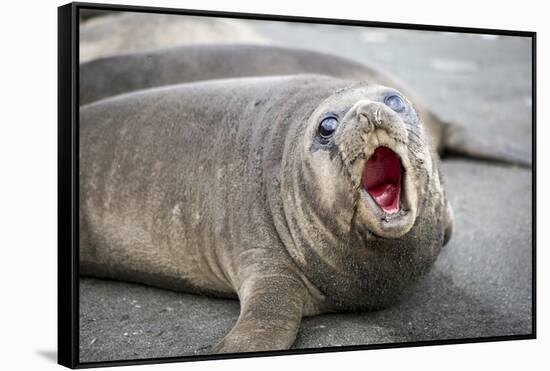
374	115
375	149
382	179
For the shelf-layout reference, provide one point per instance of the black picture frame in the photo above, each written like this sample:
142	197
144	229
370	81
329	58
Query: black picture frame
68	187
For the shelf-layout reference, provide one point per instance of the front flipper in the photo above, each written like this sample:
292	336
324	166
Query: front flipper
271	312
448	222
457	140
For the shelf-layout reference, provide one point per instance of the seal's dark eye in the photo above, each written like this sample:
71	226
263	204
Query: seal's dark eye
327	127
395	102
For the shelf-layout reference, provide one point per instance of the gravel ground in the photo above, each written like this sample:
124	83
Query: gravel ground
480	285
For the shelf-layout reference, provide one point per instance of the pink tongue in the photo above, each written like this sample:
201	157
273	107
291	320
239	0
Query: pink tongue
387	197
382	179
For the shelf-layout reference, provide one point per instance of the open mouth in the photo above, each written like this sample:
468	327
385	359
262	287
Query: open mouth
382	179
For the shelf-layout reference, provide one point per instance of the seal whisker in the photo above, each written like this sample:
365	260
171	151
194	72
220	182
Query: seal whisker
415	134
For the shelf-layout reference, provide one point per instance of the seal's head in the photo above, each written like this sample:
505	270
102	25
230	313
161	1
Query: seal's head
381	149
364	203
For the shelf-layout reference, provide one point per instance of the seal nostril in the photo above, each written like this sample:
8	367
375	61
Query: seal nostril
363	118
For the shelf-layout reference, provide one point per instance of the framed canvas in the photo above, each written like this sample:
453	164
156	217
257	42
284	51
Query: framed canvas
238	185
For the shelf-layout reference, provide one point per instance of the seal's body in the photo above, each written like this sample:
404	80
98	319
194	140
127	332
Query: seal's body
124	73
297	194
123	32
106	77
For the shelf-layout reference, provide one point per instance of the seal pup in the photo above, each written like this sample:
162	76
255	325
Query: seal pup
299	195
123	32
106	77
